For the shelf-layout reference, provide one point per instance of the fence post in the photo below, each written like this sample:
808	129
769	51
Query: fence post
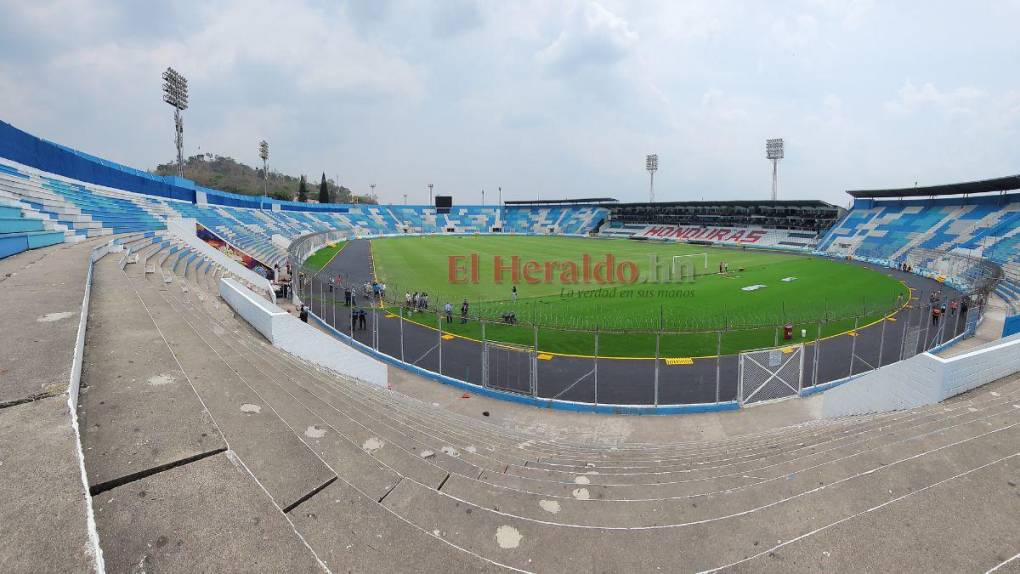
485	355
534	365
927	323
718	363
958	314
853	347
655	381
596	369
333	297
375	329
439	322
905	330
818	353
401	318
881	342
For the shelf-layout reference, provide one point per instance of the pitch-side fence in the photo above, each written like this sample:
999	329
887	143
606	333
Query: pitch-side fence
662	366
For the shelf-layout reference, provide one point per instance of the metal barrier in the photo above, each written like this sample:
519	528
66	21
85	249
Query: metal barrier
771	374
520	354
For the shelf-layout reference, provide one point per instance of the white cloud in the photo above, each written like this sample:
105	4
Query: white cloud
797	32
719	105
958	101
592	36
557	98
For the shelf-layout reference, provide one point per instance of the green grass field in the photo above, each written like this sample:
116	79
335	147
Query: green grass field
627	315
320	258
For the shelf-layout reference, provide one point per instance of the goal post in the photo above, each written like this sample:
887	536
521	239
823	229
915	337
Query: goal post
678	260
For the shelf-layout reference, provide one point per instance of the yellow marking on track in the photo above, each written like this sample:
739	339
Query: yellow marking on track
676	361
544	357
852	333
447	337
389	316
787	350
893	319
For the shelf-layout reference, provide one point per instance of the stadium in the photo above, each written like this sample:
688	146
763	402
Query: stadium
197	380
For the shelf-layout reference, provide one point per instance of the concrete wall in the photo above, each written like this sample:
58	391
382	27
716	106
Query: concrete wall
185	231
290	334
924	379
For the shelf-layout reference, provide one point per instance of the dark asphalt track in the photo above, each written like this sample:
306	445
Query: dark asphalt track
621	381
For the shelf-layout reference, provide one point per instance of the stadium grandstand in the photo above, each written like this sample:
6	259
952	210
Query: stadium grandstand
162	409
979	219
777	224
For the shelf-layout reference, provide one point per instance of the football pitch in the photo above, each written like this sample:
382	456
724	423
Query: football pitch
759	292
320	258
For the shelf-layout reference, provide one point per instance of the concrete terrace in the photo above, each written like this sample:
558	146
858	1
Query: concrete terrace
207	449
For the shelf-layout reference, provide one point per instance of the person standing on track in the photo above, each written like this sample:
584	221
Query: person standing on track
513	294
448	309
463	312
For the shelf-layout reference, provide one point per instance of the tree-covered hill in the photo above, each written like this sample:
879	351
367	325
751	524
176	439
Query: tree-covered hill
227	174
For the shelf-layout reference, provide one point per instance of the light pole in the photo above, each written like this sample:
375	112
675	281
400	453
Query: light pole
774	152
652	165
405	199
264	154
372	185
430	194
175	93
483	197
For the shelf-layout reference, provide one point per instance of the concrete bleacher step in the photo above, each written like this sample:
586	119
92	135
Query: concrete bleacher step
270	448
209	515
137	407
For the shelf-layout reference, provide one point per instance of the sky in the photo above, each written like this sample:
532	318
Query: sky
544	99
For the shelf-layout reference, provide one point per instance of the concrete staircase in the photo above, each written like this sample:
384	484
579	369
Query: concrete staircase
369	479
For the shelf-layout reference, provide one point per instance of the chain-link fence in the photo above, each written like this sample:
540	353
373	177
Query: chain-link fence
520	347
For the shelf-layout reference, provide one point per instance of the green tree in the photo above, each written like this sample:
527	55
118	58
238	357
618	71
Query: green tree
323	190
302	191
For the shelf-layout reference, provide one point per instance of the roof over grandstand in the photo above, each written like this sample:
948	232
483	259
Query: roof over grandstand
583	200
1000	184
734	203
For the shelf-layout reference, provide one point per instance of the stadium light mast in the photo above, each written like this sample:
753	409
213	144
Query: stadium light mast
372	186
774	152
264	154
483	197
430	194
652	165
175	93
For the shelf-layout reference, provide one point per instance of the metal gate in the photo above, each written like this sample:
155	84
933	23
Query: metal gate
770	374
508	367
910	341
973	315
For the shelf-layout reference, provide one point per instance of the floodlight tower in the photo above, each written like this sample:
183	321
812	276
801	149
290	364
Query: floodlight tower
264	154
774	152
652	165
175	93
430	194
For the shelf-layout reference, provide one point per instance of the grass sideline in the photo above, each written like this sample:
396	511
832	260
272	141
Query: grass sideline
826	294
323	256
